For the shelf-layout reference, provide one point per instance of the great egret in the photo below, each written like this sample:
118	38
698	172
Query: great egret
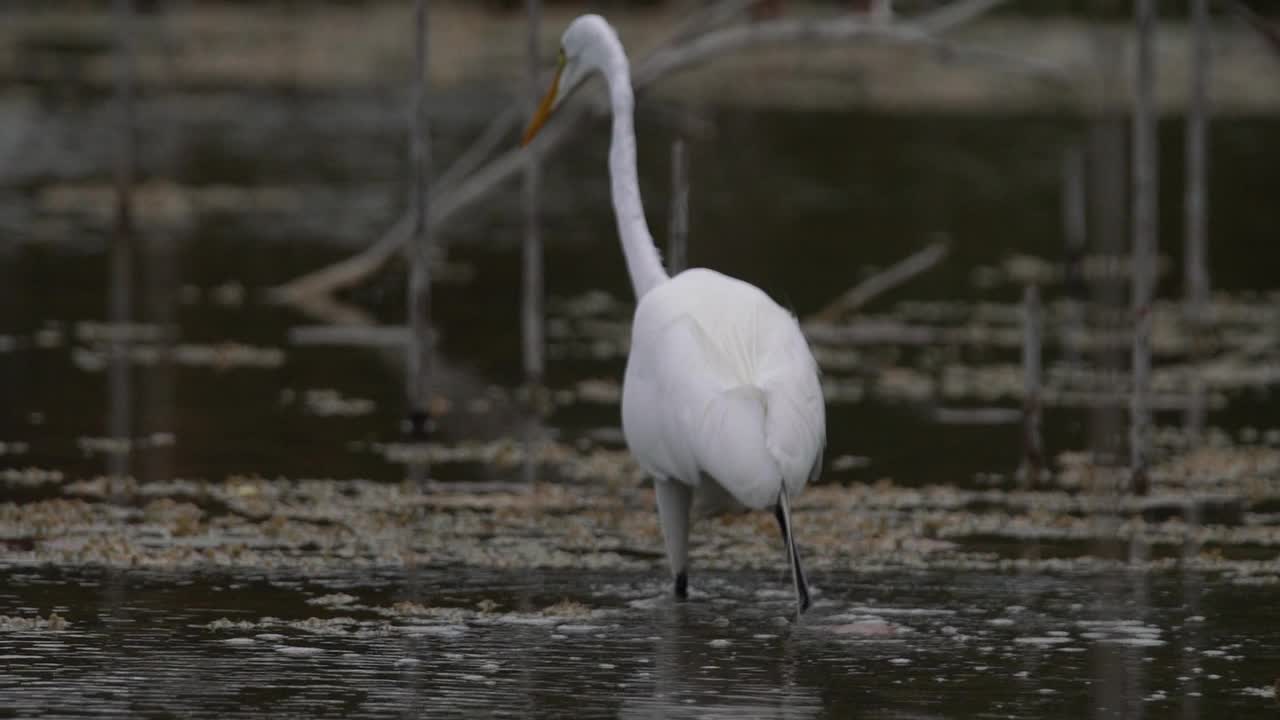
721	403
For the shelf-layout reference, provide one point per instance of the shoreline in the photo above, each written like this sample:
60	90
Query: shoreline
333	48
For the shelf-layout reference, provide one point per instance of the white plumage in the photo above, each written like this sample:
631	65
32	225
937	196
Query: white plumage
721	402
720	381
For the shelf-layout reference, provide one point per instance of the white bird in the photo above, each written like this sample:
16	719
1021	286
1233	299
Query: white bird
721	403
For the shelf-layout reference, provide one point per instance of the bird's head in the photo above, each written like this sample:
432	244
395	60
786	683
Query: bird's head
583	48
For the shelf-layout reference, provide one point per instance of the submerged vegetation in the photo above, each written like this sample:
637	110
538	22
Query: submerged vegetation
1210	509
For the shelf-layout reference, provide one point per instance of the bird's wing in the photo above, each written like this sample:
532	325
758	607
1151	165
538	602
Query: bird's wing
720	381
795	426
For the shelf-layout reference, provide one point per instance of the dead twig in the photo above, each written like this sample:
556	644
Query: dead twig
880	283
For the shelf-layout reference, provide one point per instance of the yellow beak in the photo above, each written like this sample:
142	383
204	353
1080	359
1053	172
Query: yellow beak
544	109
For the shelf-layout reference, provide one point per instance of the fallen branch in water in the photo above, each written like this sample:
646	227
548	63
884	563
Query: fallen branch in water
678	52
1268	30
880	283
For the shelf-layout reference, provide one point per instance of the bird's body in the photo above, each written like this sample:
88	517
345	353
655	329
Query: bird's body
721	400
721	386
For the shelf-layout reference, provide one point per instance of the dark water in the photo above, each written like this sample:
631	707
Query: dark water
772	204
923	644
801	204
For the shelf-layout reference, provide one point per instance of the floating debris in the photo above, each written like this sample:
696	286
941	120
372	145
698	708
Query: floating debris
868	628
53	623
578	629
229	294
224	356
107	333
298	651
30	477
1262	692
328	402
1042	641
569	609
332	600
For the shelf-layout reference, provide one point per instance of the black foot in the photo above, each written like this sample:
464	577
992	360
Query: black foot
682	586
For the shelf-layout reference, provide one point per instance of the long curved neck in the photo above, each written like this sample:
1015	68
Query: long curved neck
643	263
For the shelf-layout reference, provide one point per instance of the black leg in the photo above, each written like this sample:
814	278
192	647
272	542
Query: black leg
682	585
802	586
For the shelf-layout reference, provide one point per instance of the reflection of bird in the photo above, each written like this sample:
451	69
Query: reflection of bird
721	400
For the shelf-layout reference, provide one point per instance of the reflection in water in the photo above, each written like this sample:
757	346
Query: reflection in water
120	302
692	677
120	284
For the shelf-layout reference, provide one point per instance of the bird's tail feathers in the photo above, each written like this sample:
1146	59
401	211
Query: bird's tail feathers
731	447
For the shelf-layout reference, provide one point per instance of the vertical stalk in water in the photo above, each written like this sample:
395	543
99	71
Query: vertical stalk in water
1075	239
157	384
120	301
1033	446
418	365
1074	230
678	243
1195	253
1144	237
1196	279
531	317
1196	272
419	310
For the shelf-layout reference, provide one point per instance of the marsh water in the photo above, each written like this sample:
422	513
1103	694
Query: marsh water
920	644
238	192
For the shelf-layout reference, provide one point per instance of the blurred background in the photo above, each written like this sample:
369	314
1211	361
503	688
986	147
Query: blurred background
193	424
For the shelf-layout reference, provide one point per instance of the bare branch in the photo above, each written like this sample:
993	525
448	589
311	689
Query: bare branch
710	17
351	270
481	148
667	58
957	13
880	283
346	272
999	59
807	31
